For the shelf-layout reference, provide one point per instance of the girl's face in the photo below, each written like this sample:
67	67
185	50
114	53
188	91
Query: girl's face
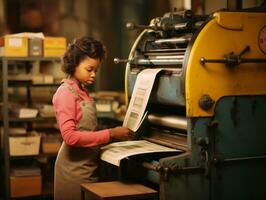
85	72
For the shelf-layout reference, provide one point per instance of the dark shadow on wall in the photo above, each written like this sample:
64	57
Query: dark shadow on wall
119	40
32	16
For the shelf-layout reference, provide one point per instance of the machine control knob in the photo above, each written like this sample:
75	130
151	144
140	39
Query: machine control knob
130	26
188	14
206	102
201	141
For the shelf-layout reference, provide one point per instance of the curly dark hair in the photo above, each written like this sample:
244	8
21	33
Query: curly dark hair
78	50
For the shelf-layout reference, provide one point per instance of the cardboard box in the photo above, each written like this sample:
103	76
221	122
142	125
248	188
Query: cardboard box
35	47
51	143
28	113
42	79
25	186
52	147
24	146
12	46
54	46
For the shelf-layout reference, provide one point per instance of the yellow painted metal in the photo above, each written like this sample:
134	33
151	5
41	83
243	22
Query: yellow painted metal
226	32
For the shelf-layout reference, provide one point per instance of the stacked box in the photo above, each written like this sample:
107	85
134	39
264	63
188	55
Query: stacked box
54	46
25	186
25	145
20	45
35	47
51	143
11	46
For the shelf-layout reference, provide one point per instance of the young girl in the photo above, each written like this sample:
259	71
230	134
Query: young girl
78	157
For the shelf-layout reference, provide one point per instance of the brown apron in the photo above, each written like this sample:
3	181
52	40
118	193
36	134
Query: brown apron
76	165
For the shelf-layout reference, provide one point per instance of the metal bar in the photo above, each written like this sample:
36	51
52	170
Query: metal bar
171	53
244	159
204	60
6	127
177	122
157	62
252	60
133	26
163	143
180	40
164	50
166	57
158	168
233	61
180	26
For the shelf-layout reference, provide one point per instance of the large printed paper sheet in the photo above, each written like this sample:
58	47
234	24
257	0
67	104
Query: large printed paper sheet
140	98
115	152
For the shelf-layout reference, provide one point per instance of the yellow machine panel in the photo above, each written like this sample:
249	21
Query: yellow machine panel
221	38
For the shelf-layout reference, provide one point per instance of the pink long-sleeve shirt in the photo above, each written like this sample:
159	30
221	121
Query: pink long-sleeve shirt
68	114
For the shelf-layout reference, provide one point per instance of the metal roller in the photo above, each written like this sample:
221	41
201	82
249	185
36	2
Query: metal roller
167	57
157	62
176	122
154	60
181	40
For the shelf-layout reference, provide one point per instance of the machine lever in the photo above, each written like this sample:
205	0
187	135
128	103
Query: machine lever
232	59
118	60
132	26
245	50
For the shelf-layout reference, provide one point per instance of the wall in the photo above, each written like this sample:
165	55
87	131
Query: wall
2	17
105	20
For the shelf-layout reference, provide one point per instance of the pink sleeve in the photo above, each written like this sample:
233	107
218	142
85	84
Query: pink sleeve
64	103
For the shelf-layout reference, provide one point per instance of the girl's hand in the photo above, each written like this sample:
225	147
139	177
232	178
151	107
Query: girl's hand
120	133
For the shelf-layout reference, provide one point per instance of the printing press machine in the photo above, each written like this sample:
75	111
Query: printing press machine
209	102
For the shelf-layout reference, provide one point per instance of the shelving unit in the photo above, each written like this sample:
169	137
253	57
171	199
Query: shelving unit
6	119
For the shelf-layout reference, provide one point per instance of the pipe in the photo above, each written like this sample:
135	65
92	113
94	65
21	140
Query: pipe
176	122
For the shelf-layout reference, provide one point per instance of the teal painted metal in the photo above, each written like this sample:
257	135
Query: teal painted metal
166	89
187	173
241	130
239	146
231	165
